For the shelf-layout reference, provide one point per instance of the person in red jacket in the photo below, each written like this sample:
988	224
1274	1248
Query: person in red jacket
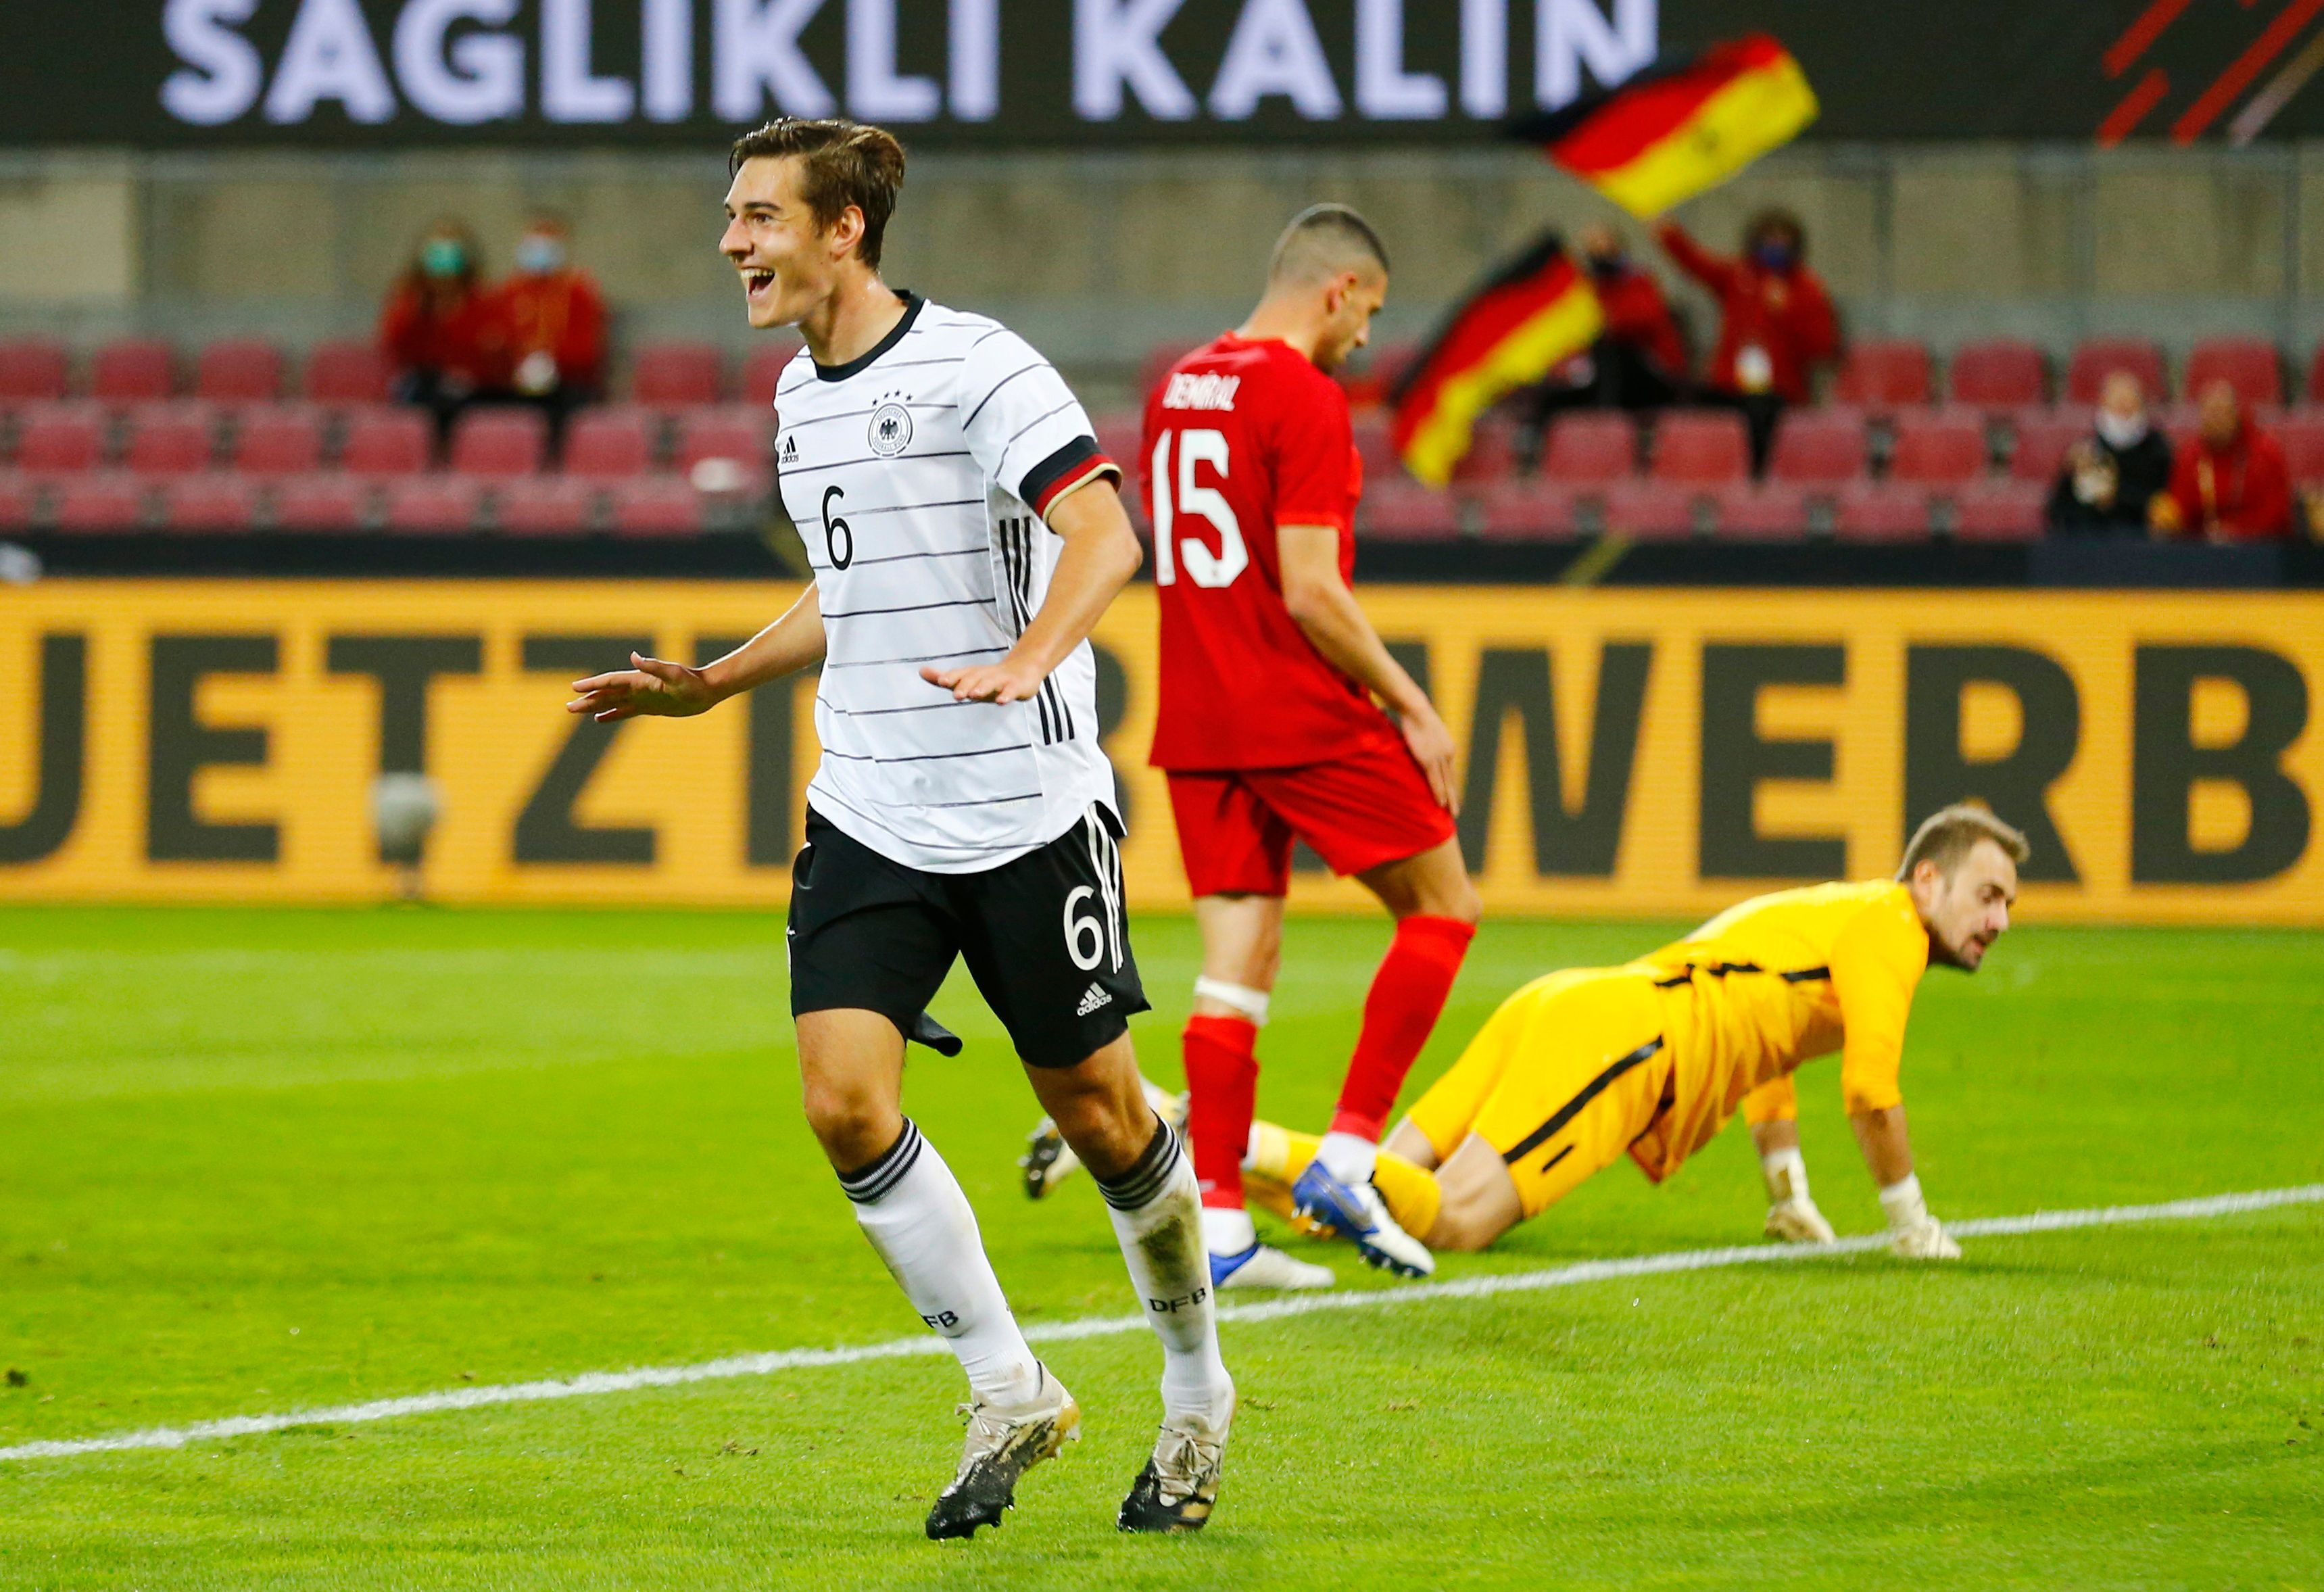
2230	483
555	319
1637	364
441	332
1776	322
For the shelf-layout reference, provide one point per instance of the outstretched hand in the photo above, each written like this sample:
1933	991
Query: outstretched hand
653	686
1006	681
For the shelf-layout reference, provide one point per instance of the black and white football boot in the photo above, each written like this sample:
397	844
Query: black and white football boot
1179	1487
1004	1442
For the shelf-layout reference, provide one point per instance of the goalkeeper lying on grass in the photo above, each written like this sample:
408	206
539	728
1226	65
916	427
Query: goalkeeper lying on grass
1652	1058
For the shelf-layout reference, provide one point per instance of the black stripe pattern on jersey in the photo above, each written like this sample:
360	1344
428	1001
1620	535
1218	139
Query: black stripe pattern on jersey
1149	1176
1572	1107
867	1183
1016	610
1720	969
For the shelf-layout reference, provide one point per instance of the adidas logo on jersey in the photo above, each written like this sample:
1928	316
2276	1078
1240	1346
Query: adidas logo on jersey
1091	999
791	450
1201	393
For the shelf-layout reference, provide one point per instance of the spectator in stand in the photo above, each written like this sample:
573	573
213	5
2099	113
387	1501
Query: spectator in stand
1776	323
2112	476
1637	364
554	318
441	331
2231	483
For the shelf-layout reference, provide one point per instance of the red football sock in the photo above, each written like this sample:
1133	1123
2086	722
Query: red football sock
1222	1094
1407	997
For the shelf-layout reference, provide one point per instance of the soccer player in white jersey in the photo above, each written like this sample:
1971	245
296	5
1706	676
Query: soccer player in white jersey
966	533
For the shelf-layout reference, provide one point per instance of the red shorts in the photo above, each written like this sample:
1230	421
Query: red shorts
1236	825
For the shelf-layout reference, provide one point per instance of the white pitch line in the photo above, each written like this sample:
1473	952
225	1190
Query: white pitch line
592	1382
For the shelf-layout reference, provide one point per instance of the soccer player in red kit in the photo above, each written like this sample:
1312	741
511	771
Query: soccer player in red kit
1269	732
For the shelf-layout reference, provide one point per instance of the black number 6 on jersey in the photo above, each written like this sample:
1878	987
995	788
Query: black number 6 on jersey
838	540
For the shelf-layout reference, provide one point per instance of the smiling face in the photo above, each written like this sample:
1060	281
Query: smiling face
1967	910
789	261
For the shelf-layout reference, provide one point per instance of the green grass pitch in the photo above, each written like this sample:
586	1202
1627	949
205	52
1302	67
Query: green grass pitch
262	1161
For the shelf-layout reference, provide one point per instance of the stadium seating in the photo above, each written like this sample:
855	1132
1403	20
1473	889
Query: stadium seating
1405	511
1650	510
611	443
2001	511
499	442
2043	435
383	441
1820	446
99	501
440	504
2099	357
135	370
762	367
19	501
544	505
212	500
278	440
2301	433
1999	375
344	372
1882	375
1938	446
63	436
1374	445
1882	512
676	375
1702	447
1528	510
656	505
2251	365
1761	512
734	432
1591	447
320	502
33	370
239	371
1492	453
170	439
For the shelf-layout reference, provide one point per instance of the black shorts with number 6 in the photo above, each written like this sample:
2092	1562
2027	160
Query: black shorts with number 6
1044	937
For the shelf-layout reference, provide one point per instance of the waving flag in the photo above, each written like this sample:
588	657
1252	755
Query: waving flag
1685	124
1526	318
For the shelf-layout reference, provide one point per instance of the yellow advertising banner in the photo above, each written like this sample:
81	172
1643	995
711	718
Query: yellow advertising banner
1624	751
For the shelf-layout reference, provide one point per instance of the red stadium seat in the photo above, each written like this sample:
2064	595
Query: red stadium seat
344	372
2301	433
762	369
100	500
1591	448
1819	446
384	441
1407	511
241	370
656	505
322	503
2251	365
1883	374
212	500
1376	446
1939	445
1492	453
546	505
737	433
1530	511
2100	357
63	436
278	440
1702	447
33	370
19	501
2001	511
610	444
2043	435
1883	512
499	443
1650	510
170	439
135	370
1999	374
677	375
1761	512
433	504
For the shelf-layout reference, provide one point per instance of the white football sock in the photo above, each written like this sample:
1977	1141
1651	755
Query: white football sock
1157	1216
1349	1157
1786	1175
911	1205
1227	1231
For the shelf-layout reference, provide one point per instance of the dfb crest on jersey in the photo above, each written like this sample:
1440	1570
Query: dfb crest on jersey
890	432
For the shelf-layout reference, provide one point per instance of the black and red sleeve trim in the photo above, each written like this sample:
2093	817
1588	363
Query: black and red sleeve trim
1071	466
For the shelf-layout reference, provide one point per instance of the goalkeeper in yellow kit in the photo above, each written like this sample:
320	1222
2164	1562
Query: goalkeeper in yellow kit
1652	1058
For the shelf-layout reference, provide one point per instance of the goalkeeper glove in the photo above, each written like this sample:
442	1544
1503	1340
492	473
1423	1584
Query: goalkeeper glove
1792	1214
1913	1232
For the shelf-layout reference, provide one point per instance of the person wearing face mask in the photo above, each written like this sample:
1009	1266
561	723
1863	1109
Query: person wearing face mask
2111	477
440	331
1637	364
555	321
1776	322
2230	483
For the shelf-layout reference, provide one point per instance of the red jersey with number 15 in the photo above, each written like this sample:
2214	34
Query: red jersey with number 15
1241	436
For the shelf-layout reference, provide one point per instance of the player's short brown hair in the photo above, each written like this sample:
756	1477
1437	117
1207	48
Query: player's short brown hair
1950	834
1323	240
841	163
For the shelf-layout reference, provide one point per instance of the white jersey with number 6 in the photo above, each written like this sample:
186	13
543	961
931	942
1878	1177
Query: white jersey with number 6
919	476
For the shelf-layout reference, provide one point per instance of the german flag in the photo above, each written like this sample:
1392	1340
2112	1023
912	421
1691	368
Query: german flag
1681	127
1528	317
